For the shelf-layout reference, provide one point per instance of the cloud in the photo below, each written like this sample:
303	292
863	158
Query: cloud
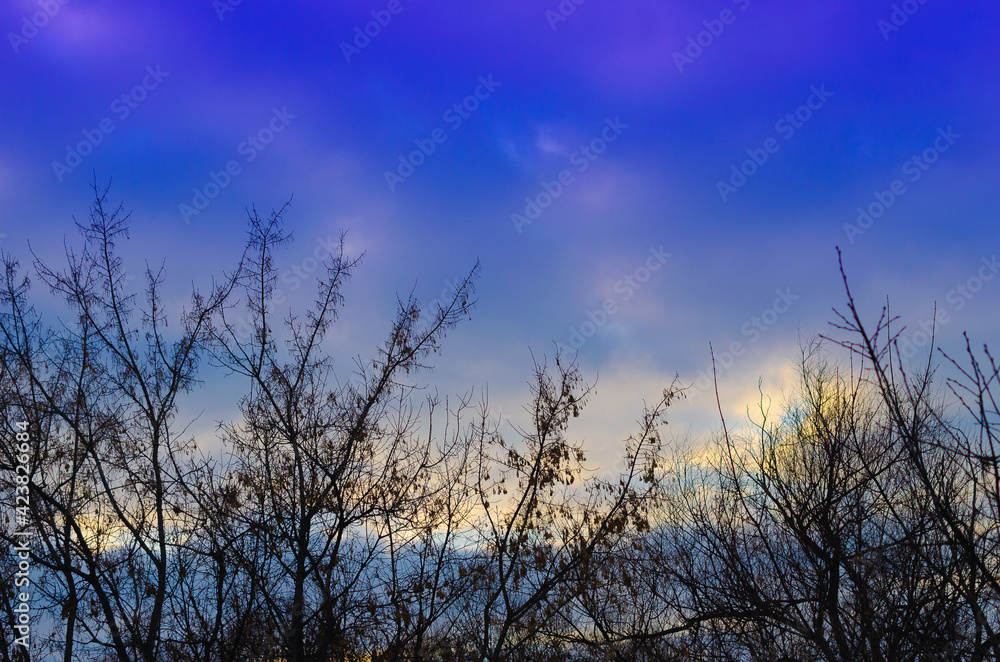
81	30
548	144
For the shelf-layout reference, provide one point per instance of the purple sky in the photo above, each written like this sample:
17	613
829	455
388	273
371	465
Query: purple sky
590	159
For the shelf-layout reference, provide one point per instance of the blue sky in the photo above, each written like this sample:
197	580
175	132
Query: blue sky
711	155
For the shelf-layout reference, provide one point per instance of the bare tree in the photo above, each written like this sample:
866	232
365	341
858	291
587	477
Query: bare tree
99	391
330	476
860	523
352	517
954	458
808	539
544	523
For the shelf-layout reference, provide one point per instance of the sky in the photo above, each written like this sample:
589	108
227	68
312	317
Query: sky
637	179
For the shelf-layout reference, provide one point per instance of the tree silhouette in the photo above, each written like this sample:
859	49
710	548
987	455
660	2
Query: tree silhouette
352	516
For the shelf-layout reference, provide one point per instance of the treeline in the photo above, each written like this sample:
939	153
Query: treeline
353	518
